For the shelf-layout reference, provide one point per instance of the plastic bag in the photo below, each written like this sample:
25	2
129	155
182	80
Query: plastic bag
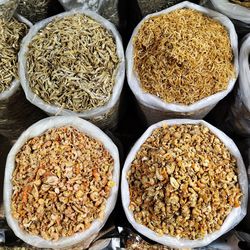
153	107
35	130
34	10
240	15
235	216
106	8
16	113
239	113
105	116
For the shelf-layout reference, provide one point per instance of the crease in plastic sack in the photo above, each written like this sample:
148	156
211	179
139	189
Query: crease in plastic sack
104	116
151	104
16	83
235	216
35	130
233	11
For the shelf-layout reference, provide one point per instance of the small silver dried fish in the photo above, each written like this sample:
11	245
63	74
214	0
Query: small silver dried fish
72	63
11	34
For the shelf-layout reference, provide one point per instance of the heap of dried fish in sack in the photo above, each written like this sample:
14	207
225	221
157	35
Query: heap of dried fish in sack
183	56
61	182
148	7
72	63
11	35
7	8
16	113
244	3
183	182
34	10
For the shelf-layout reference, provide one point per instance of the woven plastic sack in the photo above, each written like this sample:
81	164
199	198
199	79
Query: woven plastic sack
235	216
238	14
105	116
35	130
239	114
153	107
106	8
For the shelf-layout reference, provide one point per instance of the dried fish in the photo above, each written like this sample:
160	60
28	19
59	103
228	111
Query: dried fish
34	10
61	183
72	63
11	34
183	56
7	8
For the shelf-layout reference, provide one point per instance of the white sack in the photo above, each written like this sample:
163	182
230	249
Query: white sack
105	116
106	8
240	15
236	215
16	83
36	130
156	109
239	115
93	5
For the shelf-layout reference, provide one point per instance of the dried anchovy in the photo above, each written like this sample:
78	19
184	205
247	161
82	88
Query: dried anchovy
11	34
183	182
72	63
61	182
34	10
7	9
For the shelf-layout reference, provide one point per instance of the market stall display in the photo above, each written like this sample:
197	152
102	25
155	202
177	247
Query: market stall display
181	62
61	182
85	67
184	184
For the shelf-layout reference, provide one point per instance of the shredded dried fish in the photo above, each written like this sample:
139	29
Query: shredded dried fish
34	10
183	56
7	9
11	34
72	63
61	183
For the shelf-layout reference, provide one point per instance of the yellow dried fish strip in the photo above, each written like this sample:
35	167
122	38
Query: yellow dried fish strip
72	63
183	56
11	34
